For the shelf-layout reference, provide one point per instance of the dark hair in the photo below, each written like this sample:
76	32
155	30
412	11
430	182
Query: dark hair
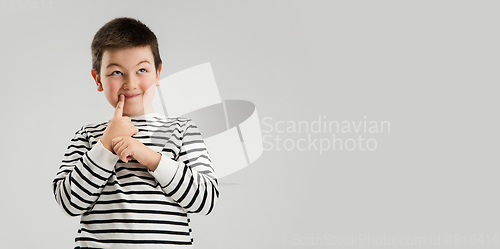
123	32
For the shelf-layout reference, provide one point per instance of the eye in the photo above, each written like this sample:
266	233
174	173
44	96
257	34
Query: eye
142	70
116	73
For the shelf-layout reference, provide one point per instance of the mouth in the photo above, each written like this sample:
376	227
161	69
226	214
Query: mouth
130	96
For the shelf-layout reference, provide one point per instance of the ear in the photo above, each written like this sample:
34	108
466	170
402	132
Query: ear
97	79
158	75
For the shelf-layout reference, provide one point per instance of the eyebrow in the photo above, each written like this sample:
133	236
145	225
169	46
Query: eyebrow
118	65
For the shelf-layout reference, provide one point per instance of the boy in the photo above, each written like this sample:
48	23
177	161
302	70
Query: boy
135	178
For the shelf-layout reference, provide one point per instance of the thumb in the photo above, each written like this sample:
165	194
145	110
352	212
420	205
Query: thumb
119	106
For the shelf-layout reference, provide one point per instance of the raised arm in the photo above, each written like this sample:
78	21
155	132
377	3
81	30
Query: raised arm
190	180
83	174
85	169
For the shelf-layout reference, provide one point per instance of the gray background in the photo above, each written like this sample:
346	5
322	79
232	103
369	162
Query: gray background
430	68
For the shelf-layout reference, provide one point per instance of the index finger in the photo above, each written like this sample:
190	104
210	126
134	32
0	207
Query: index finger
119	106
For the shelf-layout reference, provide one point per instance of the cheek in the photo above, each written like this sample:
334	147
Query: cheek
111	91
112	98
148	86
149	94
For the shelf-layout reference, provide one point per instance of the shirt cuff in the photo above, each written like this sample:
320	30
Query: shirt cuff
166	170
102	157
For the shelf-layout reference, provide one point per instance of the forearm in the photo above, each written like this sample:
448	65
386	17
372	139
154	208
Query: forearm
190	180
154	161
196	191
82	177
106	143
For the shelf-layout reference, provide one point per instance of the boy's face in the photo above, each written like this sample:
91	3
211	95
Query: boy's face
131	72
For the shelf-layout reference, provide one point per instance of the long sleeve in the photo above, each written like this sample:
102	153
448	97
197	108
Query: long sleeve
83	174
190	180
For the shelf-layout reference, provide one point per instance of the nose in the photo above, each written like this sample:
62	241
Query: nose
130	83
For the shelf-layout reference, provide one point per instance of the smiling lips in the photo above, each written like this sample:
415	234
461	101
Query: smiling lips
129	96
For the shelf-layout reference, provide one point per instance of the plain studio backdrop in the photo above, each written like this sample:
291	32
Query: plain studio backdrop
412	85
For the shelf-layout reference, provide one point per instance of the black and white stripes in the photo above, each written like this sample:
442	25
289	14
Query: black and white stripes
125	203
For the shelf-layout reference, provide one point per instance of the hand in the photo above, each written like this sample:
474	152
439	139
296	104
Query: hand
128	148
118	126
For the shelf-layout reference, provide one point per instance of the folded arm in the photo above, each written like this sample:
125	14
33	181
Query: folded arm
190	180
82	175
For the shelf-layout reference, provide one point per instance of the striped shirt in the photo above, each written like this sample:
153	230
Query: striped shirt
127	205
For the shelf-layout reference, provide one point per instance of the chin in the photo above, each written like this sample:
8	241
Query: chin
133	112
